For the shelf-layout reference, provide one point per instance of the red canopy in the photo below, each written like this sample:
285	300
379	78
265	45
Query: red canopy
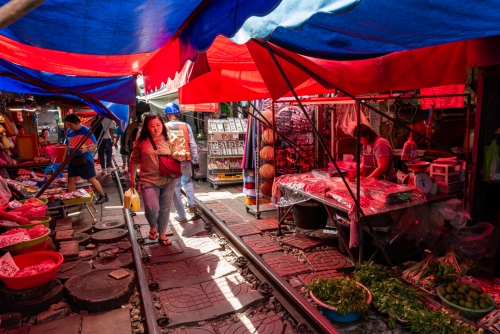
247	72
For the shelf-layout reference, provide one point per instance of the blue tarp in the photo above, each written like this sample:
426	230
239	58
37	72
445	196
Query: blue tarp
120	91
329	28
114	36
101	27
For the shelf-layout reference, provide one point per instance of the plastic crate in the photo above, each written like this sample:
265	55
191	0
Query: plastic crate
452	177
445	173
449	188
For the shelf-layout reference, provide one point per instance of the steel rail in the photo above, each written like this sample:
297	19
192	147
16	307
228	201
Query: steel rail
147	301
313	316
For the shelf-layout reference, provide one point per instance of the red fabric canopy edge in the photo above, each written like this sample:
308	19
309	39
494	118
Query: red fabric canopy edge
246	72
66	63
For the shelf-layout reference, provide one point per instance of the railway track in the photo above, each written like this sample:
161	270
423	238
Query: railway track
211	281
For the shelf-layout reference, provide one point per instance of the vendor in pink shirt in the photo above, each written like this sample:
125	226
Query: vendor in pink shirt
376	156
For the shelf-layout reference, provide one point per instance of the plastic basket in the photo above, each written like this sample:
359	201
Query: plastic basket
350	172
43	200
38	212
32	281
45	220
465	312
331	312
28	246
78	200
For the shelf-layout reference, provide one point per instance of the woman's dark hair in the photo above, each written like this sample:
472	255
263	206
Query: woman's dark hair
148	117
43	130
366	132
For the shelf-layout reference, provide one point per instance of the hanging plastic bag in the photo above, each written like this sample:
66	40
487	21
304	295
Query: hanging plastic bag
350	121
488	157
469	243
495	165
409	151
135	201
127	199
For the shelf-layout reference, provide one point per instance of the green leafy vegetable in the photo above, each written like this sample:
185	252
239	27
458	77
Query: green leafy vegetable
343	294
401	301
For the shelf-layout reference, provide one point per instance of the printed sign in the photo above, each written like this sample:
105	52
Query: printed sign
8	266
11	239
442	102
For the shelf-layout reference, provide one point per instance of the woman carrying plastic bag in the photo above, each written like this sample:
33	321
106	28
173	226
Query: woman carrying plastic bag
131	198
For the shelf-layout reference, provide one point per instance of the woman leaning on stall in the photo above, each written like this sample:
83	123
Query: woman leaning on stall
377	156
157	191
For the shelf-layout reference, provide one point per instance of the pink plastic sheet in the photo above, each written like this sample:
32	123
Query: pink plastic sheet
375	196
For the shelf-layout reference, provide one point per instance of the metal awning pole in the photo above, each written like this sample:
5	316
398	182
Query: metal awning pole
467	138
322	143
358	179
360	100
15	9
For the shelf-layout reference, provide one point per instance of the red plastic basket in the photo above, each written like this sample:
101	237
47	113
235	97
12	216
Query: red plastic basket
38	212
28	282
38	247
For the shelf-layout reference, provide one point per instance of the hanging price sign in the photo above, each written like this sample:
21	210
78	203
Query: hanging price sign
11	239
8	266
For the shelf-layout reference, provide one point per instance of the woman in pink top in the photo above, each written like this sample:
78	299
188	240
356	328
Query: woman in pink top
377	155
157	191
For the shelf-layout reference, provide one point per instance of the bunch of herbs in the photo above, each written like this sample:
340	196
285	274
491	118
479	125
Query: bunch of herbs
343	294
402	302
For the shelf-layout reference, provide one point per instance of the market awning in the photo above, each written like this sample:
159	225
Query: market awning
158	100
91	91
116	38
246	72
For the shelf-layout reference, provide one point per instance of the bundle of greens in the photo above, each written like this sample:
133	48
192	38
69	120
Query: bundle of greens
402	302
432	271
343	294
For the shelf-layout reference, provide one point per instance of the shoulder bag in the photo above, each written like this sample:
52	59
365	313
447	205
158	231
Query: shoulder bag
169	167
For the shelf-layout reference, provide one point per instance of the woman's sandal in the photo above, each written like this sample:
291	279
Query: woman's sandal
153	236
165	242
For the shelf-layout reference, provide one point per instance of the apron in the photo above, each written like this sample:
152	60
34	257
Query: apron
370	163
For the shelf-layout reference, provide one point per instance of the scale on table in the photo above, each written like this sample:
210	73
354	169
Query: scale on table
417	176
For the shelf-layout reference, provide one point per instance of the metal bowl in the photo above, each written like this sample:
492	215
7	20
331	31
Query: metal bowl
418	166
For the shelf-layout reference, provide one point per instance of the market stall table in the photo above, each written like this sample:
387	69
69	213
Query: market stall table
300	196
11	169
64	212
63	207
